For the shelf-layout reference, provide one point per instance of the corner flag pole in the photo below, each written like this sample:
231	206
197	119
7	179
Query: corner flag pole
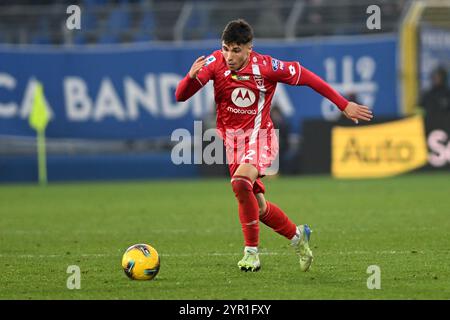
38	120
42	158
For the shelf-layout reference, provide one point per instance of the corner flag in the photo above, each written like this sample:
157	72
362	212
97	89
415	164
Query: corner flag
38	120
39	116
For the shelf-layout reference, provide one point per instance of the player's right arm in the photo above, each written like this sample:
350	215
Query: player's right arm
195	79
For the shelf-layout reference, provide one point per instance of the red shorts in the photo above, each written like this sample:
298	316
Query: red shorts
262	154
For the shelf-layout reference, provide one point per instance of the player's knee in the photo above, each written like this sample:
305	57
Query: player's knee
242	187
262	210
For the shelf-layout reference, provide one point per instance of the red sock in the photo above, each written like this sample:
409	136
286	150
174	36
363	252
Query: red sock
248	209
275	218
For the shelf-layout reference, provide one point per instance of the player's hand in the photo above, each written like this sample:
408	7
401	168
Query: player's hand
356	112
198	64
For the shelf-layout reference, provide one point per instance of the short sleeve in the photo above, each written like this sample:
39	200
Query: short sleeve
206	73
288	72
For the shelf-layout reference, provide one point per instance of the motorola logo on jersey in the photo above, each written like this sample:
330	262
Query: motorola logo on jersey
243	97
241	111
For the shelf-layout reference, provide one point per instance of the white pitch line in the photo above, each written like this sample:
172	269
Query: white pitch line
107	232
212	254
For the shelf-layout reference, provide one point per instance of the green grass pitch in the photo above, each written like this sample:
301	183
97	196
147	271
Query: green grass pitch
400	224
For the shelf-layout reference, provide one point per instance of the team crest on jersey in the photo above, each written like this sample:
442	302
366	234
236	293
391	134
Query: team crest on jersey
243	97
240	78
275	64
259	81
209	60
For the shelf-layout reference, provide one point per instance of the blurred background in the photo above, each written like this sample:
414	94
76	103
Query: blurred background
122	21
109	83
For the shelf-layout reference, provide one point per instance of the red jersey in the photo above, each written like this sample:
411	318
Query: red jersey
243	97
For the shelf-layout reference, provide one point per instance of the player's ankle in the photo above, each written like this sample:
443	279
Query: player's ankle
297	235
251	249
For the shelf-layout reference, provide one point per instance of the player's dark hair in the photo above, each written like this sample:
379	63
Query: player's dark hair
238	32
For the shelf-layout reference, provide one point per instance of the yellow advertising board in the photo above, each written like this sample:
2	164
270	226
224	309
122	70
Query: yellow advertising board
378	150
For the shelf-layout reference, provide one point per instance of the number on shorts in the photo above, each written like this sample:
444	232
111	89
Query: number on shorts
249	155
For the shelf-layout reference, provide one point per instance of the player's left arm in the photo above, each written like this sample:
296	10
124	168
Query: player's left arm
295	74
350	109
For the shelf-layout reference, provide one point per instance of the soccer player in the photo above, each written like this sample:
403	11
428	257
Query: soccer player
244	85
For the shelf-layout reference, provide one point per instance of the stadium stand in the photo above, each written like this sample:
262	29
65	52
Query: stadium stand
103	21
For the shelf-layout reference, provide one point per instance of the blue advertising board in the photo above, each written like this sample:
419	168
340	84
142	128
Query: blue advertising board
117	92
434	53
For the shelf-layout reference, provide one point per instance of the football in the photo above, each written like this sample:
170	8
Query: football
141	262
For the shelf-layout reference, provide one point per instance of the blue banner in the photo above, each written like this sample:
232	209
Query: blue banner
434	53
117	92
